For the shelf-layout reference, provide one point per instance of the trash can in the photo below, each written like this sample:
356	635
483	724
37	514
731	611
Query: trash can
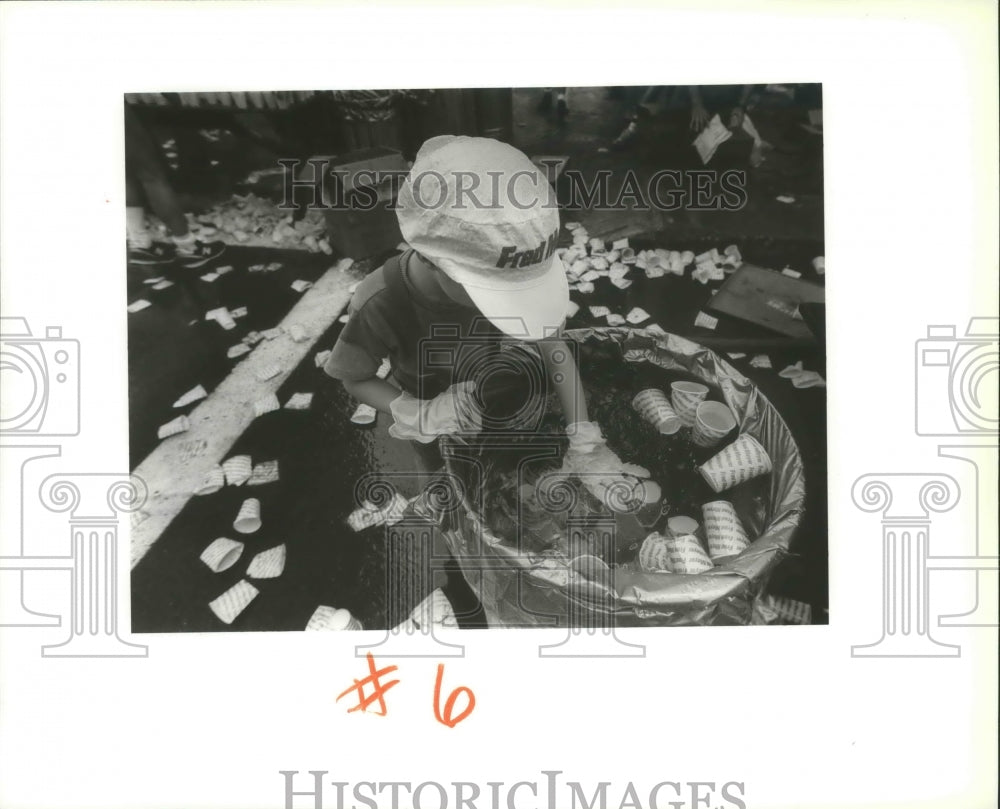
520	586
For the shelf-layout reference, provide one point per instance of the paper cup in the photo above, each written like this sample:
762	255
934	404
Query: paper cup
231	603
299	401
268	372
224	319
685	555
298	333
685	397
193	395
222	554
181	424
653	553
713	421
248	520
268	564
436	609
653	406
331	619
725	532
741	461
819	264
681	525
364	414
214	480
267	404
238	470
264	472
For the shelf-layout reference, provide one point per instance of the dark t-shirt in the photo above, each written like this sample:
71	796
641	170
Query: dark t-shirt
432	343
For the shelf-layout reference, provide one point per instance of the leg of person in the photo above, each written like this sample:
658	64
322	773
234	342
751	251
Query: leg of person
147	170
142	250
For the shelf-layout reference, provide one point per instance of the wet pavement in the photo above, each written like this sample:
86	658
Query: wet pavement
322	455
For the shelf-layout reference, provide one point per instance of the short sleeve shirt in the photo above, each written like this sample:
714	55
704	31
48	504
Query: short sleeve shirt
432	343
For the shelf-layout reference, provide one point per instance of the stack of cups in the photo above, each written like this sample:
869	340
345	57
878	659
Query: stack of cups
685	397
653	406
741	461
713	421
726	535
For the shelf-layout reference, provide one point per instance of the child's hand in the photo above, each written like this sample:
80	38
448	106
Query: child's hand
616	484
423	420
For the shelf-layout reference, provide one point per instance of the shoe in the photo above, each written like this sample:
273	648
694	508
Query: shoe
156	253
199	254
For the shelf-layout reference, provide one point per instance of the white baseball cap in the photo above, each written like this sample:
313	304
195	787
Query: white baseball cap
484	214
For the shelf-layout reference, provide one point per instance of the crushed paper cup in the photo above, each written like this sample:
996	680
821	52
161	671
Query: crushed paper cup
223	270
712	256
209	277
737	463
618	270
687	257
238	469
760	361
152	281
181	424
434	610
164	284
586	287
264	472
138	306
298	333
597	247
384	368
299	401
653	553
222	554
713	421
706	321
572	225
274	266
599	263
266	404
238	312
615	320
819	264
237	350
791	371
652	404
724	531
271	334
370	515
268	564
791	273
733	252
621	283
572	307
590	275
599	311
215	479
343	318
681	525
269	371
737	355
685	398
231	603
619	244
785	198
257	267
301	286
809	379
225	320
364	414
193	395
637	315
248	519
321	357
331	619
787	610
612	256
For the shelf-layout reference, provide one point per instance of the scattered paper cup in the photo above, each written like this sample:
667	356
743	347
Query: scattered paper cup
637	315
685	397
238	470
237	350
615	320
364	414
681	525
264	472
434	610
266	404
299	401
268	371
268	564
654	407
214	480
819	264
653	553
231	603
298	333
193	395
331	619
726	534
181	424
713	421
739	462
222	554
248	520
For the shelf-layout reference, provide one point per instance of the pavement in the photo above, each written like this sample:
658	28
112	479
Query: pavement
321	455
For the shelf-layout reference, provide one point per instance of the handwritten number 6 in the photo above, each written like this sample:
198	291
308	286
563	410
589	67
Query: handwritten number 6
449	706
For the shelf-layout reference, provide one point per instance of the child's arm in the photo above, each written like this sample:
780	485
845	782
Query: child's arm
375	392
560	366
